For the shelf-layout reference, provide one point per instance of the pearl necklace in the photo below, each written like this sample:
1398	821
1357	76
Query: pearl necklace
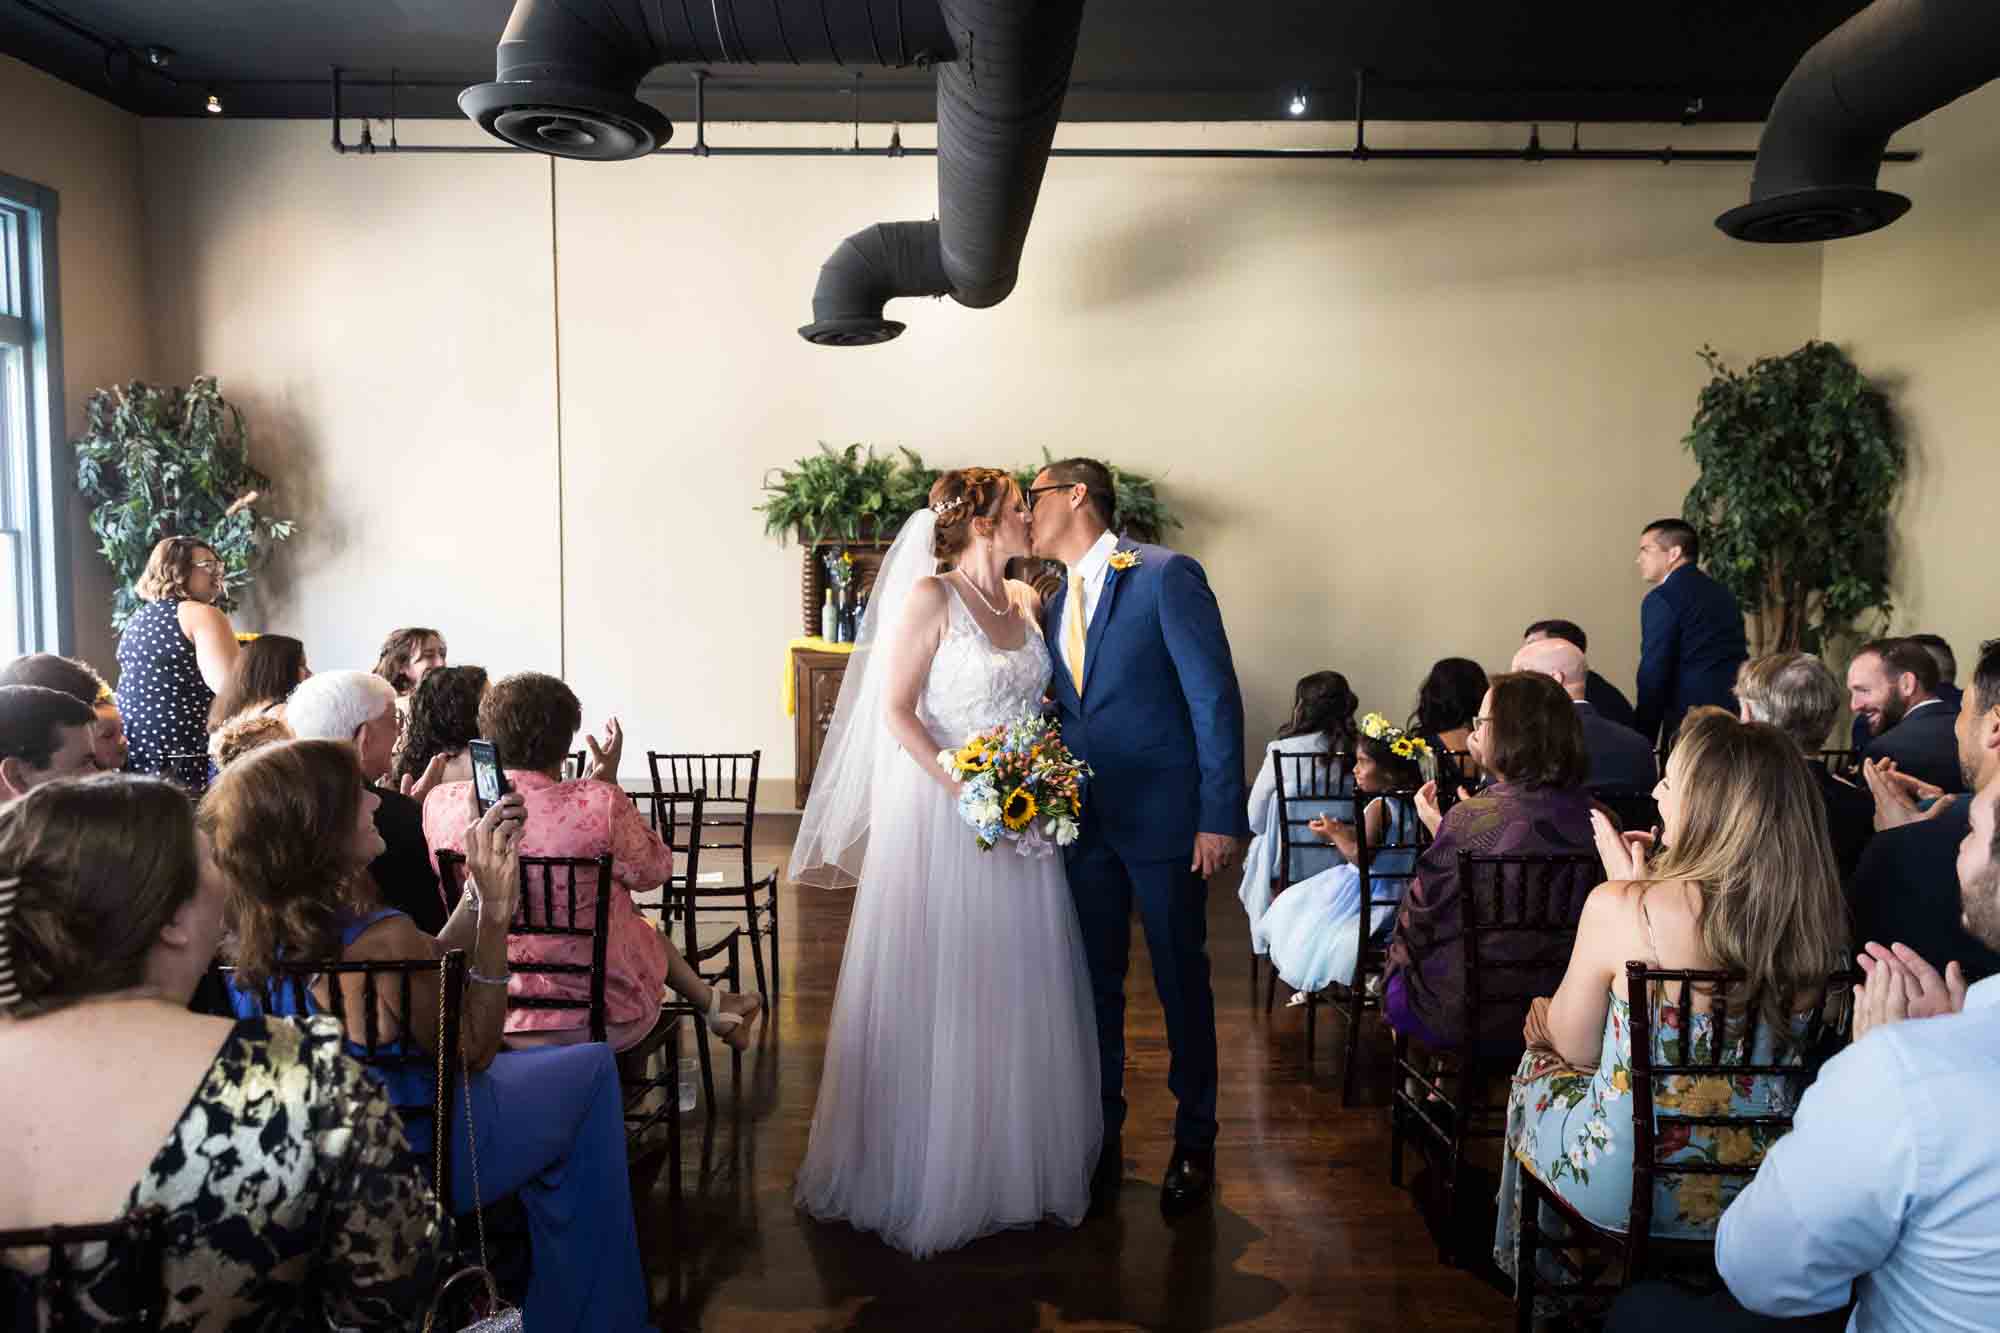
1001	611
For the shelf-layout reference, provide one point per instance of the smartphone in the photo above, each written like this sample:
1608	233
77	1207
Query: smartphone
489	784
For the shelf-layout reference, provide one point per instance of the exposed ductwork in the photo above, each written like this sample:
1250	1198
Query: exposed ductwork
1894	62
568	71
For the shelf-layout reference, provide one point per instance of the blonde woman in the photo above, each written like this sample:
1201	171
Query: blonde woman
1745	883
175	656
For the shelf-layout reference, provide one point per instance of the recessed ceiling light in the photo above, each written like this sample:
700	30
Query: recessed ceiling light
214	105
1297	106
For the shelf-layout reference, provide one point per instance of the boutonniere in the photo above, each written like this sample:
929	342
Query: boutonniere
1124	560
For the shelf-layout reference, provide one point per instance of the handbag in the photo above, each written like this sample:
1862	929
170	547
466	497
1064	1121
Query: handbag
500	1317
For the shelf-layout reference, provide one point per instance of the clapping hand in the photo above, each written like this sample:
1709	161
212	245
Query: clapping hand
603	763
416	788
1427	806
1624	854
1902	985
493	855
1896	795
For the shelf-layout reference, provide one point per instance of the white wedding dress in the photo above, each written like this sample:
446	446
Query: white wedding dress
960	1095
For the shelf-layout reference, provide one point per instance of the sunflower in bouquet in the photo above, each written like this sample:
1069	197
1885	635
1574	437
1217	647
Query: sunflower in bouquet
1020	784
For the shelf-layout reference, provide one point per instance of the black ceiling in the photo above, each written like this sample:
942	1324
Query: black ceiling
1139	59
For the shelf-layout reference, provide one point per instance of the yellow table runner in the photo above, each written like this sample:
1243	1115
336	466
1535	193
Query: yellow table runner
812	645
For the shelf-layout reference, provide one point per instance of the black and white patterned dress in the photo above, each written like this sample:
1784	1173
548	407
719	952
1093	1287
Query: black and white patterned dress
160	690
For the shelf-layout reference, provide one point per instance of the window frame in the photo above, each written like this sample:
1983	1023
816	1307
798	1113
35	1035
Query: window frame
36	507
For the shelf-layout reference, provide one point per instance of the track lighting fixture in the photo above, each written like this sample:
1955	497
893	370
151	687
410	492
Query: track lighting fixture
214	105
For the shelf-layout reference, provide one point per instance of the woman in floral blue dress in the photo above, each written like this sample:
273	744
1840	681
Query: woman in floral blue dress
1745	882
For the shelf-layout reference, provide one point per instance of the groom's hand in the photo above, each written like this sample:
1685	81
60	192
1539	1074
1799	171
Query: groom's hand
1214	852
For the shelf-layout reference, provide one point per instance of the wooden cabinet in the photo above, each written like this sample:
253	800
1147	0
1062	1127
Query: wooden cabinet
816	678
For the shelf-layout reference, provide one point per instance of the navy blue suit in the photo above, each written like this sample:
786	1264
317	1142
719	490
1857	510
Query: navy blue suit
1862	733
1691	645
1160	723
1925	745
1619	756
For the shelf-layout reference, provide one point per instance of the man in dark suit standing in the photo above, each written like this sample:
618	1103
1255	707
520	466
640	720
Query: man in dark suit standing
1893	683
1691	641
1619	756
1609	701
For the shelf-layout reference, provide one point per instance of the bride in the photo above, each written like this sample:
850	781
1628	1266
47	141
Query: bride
960	1094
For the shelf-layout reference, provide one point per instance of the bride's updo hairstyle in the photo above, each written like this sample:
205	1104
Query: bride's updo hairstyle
960	496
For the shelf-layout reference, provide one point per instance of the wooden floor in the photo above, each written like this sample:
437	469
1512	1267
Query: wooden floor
1306	1232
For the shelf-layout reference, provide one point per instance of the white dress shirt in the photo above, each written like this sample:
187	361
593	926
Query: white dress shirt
1890	1179
1091	570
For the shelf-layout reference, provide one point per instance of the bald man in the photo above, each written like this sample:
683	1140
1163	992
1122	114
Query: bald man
1619	756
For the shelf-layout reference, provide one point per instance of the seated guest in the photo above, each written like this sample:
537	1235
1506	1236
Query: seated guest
1619	756
174	655
1906	886
288	1198
1893	683
1797	694
245	732
1314	926
1528	740
1746	884
443	719
407	656
293	830
532	720
359	707
267	670
1609	701
44	735
1447	703
1947	686
1322	723
80	681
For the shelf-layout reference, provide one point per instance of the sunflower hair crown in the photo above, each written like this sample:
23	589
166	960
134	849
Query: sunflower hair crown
1403	744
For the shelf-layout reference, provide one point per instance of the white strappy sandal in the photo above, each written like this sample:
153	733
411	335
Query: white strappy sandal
723	1024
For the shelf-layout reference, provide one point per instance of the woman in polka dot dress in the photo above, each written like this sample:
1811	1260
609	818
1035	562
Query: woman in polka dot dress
174	656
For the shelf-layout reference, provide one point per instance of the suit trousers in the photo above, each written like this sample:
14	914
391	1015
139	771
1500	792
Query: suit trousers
1173	909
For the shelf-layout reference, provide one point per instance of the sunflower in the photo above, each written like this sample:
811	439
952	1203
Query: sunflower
1018	810
974	758
1401	747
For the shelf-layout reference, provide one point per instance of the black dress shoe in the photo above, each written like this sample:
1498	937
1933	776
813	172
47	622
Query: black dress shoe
1190	1181
1107	1178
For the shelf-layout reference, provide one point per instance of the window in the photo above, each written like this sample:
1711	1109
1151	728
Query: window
34	570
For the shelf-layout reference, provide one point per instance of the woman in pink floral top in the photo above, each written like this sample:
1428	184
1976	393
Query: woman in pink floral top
531	719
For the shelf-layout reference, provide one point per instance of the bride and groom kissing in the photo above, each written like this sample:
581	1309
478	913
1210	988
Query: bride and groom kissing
975	1056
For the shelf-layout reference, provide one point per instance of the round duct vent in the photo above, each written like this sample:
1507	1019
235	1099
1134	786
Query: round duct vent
567	120
1828	213
862	332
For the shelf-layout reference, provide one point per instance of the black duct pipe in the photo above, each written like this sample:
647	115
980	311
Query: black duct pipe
1894	62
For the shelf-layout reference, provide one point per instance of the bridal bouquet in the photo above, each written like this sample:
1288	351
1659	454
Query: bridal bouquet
1019	783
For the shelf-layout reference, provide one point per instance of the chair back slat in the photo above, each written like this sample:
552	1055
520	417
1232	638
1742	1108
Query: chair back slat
1309	784
1399	810
728	783
135	1252
549	908
1520	914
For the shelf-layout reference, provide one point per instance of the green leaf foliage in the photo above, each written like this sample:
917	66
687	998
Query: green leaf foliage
1800	460
853	493
170	462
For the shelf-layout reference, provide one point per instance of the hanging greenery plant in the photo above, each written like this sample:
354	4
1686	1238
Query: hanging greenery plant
170	462
1800	461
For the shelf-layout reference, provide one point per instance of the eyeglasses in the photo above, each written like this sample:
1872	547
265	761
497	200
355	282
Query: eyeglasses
1035	493
212	566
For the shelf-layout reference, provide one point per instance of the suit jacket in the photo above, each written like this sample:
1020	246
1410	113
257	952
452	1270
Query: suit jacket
1619	756
1691	644
1160	721
1906	892
1948	694
1850	818
404	872
1924	744
1609	701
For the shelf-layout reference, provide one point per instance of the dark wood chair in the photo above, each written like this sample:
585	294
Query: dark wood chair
1634	808
1454	785
1842	763
1309	785
1829	1023
718	960
1519	925
128	1285
1372	953
189	772
728	783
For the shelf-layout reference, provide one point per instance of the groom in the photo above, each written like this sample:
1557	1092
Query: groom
1148	699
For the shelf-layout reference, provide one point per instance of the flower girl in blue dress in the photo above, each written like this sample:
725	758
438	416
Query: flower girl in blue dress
1322	723
1312	926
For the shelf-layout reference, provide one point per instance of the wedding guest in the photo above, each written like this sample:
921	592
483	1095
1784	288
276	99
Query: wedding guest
1745	883
407	656
278	1164
1609	701
360	708
1527	739
1691	640
247	731
174	656
1893	684
293	830
532	720
1322	723
1447	702
1314	926
267	670
44	735
1947	686
1619	756
1797	694
1905	888
443	720
80	681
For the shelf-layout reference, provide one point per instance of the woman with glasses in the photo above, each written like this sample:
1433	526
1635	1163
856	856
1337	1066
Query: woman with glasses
175	656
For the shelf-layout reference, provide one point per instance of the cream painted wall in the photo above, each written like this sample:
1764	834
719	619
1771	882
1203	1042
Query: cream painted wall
1407	408
1918	306
87	151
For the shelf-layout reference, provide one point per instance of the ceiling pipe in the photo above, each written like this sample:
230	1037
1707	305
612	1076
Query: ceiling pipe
1894	62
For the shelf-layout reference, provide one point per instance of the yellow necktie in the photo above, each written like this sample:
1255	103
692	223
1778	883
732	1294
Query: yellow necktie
1073	633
